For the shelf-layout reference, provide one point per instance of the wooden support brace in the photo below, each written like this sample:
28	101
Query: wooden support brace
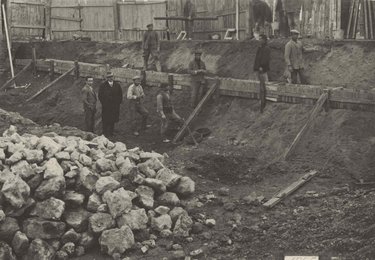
51	70
143	78
33	55
16	76
50	84
322	99
290	189
170	81
76	69
196	111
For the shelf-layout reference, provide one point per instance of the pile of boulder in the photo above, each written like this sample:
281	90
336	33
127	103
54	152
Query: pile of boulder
60	196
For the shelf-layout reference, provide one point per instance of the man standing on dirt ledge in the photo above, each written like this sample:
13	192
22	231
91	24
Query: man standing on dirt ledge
110	96
197	70
166	111
89	104
294	58
262	66
151	47
135	96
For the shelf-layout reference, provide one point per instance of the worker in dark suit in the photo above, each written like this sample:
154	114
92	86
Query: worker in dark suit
197	70
262	16
151	49
110	96
89	100
262	66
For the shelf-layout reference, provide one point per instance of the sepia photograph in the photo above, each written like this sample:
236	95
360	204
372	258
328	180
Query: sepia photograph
187	129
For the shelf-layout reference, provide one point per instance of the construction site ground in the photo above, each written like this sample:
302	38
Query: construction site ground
331	215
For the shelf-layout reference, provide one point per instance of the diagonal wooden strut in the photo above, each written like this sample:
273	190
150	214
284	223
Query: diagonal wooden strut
196	111
319	104
50	84
16	76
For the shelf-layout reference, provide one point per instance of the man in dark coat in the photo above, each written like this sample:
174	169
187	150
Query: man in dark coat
262	66
151	49
262	16
110	96
197	70
189	12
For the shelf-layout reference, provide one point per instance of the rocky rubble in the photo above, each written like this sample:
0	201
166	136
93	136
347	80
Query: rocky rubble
62	195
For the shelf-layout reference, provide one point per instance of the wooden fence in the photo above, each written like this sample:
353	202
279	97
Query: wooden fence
101	20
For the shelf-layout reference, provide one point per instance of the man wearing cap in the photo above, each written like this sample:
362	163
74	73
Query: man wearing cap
166	111
89	104
151	47
294	58
135	96
110	96
197	70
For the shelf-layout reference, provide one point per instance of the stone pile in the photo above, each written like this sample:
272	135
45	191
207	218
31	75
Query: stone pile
60	196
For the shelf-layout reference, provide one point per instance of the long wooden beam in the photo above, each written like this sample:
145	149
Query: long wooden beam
50	84
197	110
16	76
182	18
288	93
318	106
289	190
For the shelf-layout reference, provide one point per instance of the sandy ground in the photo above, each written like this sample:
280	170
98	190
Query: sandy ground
332	215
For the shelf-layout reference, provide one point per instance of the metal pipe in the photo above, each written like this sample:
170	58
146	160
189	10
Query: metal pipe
237	20
8	42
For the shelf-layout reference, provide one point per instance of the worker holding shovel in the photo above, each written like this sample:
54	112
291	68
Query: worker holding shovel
166	111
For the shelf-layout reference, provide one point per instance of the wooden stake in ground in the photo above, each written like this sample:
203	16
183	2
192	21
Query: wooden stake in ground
50	84
290	189
196	111
319	104
5	18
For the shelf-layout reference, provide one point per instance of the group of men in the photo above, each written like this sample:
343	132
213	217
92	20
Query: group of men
110	96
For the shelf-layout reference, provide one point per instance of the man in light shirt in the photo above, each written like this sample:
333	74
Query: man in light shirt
294	58
89	99
135	96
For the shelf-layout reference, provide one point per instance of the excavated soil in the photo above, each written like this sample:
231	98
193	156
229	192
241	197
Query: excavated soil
331	215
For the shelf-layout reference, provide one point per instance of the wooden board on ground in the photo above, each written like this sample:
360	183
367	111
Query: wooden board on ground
196	111
290	189
318	106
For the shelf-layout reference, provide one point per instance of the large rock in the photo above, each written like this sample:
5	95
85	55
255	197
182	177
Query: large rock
44	229
135	219
183	226
185	187
40	250
176	212
20	243
100	222
23	169
118	202
70	236
6	252
14	212
145	196
16	191
49	145
73	199
8	227
54	187
153	163
15	157
87	240
88	179
85	160
61	156
6	174
168	177
104	165
2	154
116	240
34	156
162	222
147	171
35	181
94	202
53	169
106	183
51	208
169	199
77	218
158	186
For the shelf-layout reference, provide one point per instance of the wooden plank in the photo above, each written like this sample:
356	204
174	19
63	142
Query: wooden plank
28	26
365	18
56	17
115	18
50	85
369	5
196	111
290	189
319	104
17	75
351	14
27	3
48	33
182	18
356	13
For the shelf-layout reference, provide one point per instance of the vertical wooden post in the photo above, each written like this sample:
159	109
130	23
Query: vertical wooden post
107	69
47	21
51	70
76	69
327	104
116	20
170	82
33	56
143	78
